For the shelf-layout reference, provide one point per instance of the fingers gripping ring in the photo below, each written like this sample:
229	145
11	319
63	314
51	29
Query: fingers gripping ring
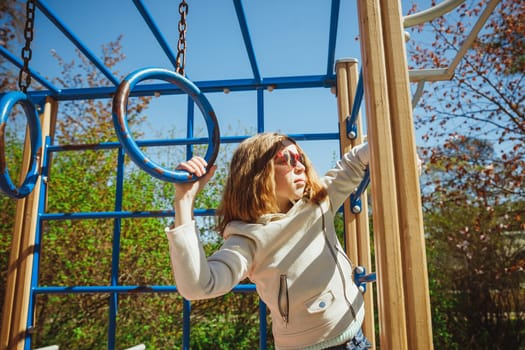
7	103
120	102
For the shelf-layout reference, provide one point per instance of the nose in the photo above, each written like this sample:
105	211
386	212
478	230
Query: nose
299	167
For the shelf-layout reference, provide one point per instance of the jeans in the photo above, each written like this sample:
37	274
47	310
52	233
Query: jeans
359	342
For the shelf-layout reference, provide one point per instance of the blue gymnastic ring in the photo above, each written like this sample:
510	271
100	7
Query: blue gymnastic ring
120	102
8	101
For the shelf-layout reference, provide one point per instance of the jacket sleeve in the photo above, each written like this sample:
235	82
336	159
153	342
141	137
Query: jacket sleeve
199	277
342	180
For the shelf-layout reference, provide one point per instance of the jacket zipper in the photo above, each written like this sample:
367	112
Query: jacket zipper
340	251
283	298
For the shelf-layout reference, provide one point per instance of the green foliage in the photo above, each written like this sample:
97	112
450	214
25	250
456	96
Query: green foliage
220	327
476	252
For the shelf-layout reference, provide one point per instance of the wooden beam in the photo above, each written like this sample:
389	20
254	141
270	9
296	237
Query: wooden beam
348	69
391	299
344	109
415	275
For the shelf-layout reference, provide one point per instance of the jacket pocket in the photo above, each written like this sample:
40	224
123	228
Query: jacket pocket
319	303
284	305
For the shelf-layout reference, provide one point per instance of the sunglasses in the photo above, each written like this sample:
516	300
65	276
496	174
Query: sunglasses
290	158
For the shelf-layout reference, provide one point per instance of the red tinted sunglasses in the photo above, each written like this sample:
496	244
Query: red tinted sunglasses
290	158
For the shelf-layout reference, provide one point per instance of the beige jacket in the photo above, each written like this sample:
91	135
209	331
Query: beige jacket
295	260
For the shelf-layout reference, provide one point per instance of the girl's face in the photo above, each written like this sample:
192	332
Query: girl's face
290	176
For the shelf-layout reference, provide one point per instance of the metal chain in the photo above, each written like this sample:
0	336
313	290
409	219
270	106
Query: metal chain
181	46
24	78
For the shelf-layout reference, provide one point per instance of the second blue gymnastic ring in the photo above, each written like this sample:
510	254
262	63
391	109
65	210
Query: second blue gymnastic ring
8	101
120	102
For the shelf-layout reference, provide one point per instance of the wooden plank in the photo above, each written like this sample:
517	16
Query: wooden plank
343	104
10	314
384	197
415	274
21	258
356	226
362	219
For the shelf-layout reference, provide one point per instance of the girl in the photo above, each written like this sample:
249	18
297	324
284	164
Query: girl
276	217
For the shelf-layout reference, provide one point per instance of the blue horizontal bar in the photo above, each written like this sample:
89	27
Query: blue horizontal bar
241	288
297	82
119	214
185	141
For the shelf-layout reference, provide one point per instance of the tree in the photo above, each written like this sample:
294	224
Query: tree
485	98
473	193
477	255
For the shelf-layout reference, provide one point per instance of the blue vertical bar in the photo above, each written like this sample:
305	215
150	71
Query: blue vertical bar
262	306
38	243
190	131
115	258
334	18
186	306
186	311
260	110
262	325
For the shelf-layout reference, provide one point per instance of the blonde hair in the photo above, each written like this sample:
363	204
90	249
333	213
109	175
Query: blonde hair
250	187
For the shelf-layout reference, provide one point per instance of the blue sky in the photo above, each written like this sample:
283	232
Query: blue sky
290	38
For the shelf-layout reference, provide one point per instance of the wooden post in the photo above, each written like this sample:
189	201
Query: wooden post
18	289
344	98
391	300
347	79
415	274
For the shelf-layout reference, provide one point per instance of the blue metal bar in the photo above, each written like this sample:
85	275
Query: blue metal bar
190	130
115	252
17	62
298	82
198	140
156	31
262	306
351	121
241	288
334	17
37	246
263	325
72	37
119	214
355	197
361	278
247	39
186	326
260	110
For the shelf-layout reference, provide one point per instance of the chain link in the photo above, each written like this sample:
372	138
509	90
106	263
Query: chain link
181	46
24	78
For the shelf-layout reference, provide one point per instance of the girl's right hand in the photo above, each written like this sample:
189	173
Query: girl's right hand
196	166
185	192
